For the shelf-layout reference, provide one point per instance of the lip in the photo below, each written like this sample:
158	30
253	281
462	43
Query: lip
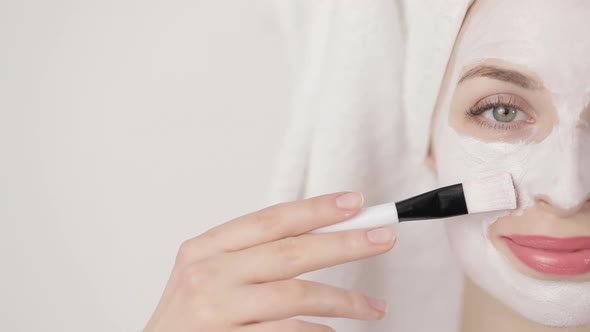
551	255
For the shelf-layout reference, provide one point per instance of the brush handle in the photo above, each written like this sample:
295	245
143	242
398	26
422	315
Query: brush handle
371	217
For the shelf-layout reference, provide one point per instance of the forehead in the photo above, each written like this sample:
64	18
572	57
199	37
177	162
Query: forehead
548	37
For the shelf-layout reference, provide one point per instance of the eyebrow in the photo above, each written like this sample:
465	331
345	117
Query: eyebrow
501	74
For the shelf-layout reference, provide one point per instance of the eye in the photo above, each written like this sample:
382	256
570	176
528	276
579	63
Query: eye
504	113
500	112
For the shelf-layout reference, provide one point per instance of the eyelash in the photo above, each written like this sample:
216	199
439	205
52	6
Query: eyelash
478	109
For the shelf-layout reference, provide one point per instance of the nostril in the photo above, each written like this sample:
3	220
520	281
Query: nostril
543	201
548	205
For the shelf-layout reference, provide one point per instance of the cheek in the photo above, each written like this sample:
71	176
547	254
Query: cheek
557	168
470	242
460	158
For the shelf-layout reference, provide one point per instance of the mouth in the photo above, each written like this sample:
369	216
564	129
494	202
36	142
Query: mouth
551	255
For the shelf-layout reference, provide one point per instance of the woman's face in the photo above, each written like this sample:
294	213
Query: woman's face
516	99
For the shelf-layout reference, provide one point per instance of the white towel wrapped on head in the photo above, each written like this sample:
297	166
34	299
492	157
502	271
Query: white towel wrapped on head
365	76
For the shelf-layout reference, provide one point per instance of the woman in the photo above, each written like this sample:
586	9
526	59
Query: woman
514	98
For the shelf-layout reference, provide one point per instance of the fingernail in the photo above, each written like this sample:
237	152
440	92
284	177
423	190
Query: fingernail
379	305
380	235
349	201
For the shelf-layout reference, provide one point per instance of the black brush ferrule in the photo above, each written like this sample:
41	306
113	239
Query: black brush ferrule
441	203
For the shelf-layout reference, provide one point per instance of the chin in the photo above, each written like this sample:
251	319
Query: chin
548	294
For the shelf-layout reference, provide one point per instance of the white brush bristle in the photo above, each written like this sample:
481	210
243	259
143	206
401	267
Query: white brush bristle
493	193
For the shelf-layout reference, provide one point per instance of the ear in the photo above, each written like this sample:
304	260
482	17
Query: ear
431	160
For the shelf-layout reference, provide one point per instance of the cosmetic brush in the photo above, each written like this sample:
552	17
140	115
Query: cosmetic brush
493	193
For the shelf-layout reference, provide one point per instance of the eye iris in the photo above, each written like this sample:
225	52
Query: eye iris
504	113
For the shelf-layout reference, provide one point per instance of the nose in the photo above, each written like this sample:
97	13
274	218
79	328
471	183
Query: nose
546	204
562	186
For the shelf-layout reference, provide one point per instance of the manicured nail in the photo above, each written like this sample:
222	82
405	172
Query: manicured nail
380	235
379	305
349	201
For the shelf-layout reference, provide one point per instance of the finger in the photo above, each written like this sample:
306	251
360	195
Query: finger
290	298
273	223
291	325
290	257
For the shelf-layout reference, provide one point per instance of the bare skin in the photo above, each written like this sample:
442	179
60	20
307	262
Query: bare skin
238	277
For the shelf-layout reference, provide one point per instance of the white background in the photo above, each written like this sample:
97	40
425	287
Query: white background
126	127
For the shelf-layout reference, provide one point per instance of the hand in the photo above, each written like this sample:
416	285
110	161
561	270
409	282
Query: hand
238	276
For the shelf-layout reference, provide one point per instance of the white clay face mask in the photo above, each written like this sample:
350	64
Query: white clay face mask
550	40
